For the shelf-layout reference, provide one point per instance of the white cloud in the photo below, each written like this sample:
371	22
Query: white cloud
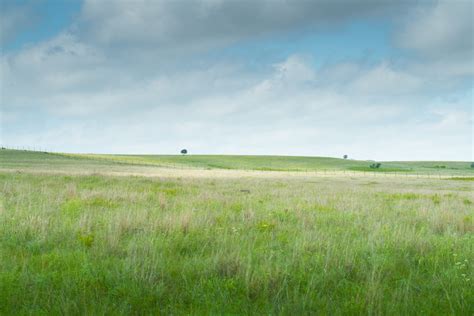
442	35
236	116
384	80
446	28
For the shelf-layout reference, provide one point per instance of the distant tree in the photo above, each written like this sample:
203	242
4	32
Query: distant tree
346	156
184	151
472	165
375	165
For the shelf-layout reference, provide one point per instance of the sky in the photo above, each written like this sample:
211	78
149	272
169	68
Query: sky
379	80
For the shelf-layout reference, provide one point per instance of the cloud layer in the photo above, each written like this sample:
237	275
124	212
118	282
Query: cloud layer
138	76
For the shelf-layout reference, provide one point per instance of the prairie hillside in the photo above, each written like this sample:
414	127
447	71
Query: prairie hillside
12	159
105	235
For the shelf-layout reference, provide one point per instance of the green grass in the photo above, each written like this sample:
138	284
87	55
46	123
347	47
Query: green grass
37	160
100	244
285	163
462	178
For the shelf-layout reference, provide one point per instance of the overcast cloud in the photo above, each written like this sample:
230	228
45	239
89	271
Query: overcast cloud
244	77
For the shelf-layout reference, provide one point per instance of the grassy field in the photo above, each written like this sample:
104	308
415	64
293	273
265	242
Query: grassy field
286	163
80	235
39	161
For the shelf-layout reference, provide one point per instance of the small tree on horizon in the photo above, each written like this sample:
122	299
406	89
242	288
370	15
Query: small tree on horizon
375	165
345	156
184	151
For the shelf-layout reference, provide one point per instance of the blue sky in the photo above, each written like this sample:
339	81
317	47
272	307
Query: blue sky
374	80
42	20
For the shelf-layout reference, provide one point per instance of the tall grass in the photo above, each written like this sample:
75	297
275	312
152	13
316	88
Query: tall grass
132	245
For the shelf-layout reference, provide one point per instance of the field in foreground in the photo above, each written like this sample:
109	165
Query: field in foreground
96	243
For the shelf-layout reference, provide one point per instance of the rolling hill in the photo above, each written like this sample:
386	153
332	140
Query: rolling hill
11	159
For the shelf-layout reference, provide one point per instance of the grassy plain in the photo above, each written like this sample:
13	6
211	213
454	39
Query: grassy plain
80	235
41	161
287	163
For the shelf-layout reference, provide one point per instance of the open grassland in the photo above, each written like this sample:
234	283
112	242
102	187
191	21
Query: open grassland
15	159
287	163
284	243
